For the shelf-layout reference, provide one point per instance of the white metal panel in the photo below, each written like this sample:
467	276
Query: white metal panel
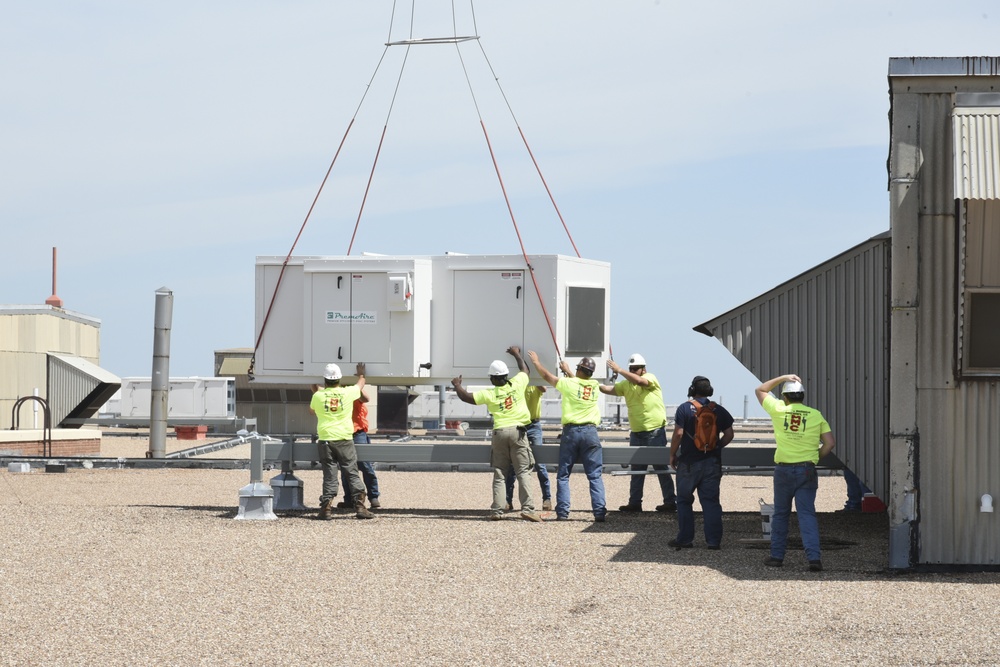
977	152
489	316
371	324
194	397
281	346
348	319
328	314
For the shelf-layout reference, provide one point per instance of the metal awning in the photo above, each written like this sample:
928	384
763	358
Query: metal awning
235	366
976	127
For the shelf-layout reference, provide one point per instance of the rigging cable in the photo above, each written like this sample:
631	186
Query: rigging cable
456	40
525	140
284	265
510	210
385	127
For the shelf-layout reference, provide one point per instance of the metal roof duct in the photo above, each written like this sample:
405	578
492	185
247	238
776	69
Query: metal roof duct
76	388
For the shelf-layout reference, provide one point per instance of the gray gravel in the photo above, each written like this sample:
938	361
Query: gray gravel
148	567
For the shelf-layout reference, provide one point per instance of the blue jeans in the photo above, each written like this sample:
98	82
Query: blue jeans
799	483
856	490
655	438
534	438
366	469
579	442
705	476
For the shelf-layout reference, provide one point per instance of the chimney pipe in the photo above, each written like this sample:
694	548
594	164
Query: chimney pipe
53	300
159	400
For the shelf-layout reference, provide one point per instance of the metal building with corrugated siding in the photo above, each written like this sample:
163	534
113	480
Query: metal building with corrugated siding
829	325
27	334
907	372
944	415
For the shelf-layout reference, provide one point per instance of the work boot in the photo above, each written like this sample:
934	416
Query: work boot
343	504
630	508
361	512
530	516
667	507
374	503
324	510
547	505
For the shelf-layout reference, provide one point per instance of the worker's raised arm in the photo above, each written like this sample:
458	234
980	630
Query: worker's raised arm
765	387
542	370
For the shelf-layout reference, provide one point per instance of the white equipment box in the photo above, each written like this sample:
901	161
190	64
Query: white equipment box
192	397
423	320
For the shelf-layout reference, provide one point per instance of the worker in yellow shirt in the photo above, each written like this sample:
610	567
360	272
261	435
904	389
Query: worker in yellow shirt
505	401
802	437
647	420
333	406
579	440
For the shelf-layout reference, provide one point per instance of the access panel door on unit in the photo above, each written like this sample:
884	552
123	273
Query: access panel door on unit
489	315
350	318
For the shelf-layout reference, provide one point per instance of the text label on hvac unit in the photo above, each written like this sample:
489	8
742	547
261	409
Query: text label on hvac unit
363	317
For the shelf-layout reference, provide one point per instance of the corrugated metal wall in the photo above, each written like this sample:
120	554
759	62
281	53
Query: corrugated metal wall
957	420
830	326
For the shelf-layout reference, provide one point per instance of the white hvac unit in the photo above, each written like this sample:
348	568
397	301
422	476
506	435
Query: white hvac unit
192	397
424	320
342	310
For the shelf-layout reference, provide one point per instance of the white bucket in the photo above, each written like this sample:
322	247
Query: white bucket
766	514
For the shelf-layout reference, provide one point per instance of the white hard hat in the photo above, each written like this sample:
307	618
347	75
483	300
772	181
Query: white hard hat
636	360
332	372
499	368
793	387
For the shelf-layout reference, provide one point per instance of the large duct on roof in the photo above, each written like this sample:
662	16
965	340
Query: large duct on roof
77	389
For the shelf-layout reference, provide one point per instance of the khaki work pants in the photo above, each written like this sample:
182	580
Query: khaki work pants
510	448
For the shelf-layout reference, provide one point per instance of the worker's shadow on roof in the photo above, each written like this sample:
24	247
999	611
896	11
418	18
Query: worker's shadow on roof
855	546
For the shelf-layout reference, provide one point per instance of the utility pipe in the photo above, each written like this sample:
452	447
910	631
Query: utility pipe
160	394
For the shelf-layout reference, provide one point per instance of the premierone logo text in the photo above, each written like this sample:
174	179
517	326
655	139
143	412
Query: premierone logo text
363	317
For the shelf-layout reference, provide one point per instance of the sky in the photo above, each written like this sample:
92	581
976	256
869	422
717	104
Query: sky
170	144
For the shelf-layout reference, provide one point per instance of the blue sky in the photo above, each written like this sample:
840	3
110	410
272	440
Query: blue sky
170	144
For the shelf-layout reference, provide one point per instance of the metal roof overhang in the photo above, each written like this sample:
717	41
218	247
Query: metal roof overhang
830	325
77	389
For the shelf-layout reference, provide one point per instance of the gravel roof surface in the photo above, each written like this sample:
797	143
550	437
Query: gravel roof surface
148	567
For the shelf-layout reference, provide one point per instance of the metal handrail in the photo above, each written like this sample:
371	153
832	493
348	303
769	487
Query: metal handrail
15	418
